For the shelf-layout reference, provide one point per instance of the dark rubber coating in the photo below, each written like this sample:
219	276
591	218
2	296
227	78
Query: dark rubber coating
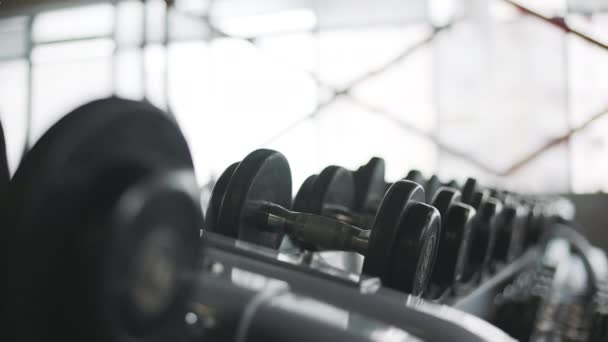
454	243
483	237
334	187
468	190
387	226
302	199
370	185
55	235
263	176
444	198
415	249
432	186
217	196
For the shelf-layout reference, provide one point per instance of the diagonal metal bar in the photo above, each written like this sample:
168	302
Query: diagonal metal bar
336	93
394	118
465	156
558	22
404	54
527	159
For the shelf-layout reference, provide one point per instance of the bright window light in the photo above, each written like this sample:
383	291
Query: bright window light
71	51
283	21
87	21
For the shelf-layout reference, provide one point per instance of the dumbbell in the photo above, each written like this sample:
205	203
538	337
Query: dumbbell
70	268
511	228
370	185
400	248
103	237
331	193
120	265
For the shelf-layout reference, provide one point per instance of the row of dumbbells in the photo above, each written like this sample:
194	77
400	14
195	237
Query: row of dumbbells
101	241
419	236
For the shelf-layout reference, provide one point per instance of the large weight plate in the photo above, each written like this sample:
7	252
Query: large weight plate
386	227
54	236
415	249
263	176
153	252
454	243
370	185
217	196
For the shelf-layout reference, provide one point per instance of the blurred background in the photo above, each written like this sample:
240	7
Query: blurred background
454	87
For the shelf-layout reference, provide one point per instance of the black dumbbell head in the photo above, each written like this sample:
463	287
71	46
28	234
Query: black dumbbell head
333	188
484	234
415	249
444	198
302	199
479	197
432	185
217	196
262	177
370	185
454	243
387	225
468	190
416	176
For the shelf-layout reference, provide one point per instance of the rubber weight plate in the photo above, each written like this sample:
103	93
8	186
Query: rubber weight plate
333	189
432	186
468	190
454	243
370	185
444	199
452	184
217	196
55	238
415	249
518	233
416	176
302	199
263	176
386	227
483	237
503	233
479	197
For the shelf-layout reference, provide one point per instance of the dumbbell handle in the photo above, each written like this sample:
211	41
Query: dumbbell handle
364	221
324	232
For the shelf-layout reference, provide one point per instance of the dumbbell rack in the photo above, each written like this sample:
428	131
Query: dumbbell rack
479	302
338	287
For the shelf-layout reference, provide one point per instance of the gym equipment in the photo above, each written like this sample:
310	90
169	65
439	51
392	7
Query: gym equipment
4	171
101	242
399	249
370	185
69	270
331	193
